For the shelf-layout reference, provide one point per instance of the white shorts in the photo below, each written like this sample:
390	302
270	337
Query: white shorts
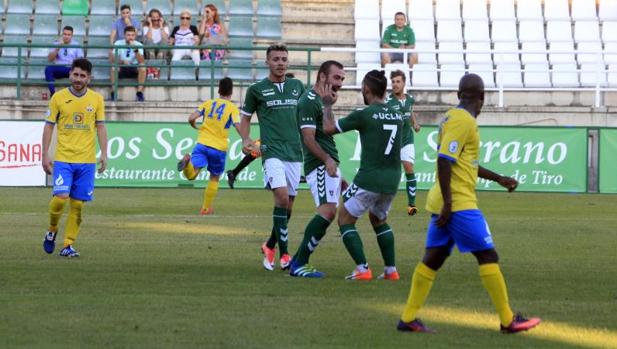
278	174
408	153
358	201
325	189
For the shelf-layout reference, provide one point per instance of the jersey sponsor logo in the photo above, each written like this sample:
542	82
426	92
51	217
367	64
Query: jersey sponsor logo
78	118
282	102
295	93
387	116
453	147
59	181
89	109
268	92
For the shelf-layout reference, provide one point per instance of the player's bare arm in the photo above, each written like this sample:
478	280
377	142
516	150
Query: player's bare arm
46	162
244	130
444	171
308	135
414	122
193	118
328	96
505	181
101	132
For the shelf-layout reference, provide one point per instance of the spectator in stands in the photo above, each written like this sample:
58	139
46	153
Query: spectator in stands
129	58
62	57
155	32
399	35
185	34
119	25
212	32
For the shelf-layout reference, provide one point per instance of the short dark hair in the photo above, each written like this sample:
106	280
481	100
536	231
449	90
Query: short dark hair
376	82
226	86
275	47
68	27
124	7
396	73
399	13
325	67
130	28
83	64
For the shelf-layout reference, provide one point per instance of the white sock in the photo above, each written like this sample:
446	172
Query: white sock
389	270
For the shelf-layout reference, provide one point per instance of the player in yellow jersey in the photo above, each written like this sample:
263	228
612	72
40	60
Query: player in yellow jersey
79	114
218	115
456	218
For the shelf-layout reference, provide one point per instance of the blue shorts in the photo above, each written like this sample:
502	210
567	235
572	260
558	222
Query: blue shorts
468	229
77	180
214	159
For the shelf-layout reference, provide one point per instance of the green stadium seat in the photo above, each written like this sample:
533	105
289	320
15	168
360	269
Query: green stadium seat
182	70
74	7
239	41
164	6
241	7
46	25
240	69
48	7
36	68
20	7
261	71
10	71
269	8
103	7
137	7
269	27
241	26
100	69
205	73
97	53
13	51
77	22
17	25
100	25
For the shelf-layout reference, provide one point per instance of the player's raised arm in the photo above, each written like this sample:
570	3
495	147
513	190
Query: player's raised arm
505	181
328	97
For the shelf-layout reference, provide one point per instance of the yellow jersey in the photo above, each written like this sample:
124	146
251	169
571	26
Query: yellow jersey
76	119
459	142
218	116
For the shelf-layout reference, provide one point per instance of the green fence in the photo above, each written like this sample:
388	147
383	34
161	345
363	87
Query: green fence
22	60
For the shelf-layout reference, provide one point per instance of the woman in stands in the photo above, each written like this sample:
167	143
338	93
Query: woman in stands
155	32
212	32
185	34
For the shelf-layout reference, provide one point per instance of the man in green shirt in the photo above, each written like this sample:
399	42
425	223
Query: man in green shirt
320	165
275	99
399	35
403	103
377	179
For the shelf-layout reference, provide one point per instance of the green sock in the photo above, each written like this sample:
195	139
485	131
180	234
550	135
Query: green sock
271	243
385	239
411	188
279	220
353	243
314	232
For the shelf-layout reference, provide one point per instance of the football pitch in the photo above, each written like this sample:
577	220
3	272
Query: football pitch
154	274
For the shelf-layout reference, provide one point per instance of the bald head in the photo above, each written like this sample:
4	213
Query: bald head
471	93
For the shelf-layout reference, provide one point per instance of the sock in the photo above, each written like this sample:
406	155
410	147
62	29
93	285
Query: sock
385	239
243	163
353	243
314	232
72	222
421	283
56	207
210	193
189	171
271	243
279	220
495	285
411	189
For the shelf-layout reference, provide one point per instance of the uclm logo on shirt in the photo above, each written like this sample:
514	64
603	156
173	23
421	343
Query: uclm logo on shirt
16	155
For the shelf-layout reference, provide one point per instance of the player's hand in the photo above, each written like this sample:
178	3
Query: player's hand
508	183
103	164
248	146
331	167
47	165
327	94
444	216
416	125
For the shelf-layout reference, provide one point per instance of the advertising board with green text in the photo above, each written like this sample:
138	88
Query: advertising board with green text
608	165
542	159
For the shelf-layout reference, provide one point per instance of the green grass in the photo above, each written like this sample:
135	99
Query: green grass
153	274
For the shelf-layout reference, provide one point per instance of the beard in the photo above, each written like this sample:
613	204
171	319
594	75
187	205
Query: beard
364	98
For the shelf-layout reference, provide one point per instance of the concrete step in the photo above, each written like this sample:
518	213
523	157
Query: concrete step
341	9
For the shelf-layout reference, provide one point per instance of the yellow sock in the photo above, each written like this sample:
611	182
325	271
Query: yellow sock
189	171
495	285
210	192
72	222
56	208
421	283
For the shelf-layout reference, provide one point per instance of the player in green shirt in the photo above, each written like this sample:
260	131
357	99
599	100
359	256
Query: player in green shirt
320	165
403	102
377	179
399	35
275	99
